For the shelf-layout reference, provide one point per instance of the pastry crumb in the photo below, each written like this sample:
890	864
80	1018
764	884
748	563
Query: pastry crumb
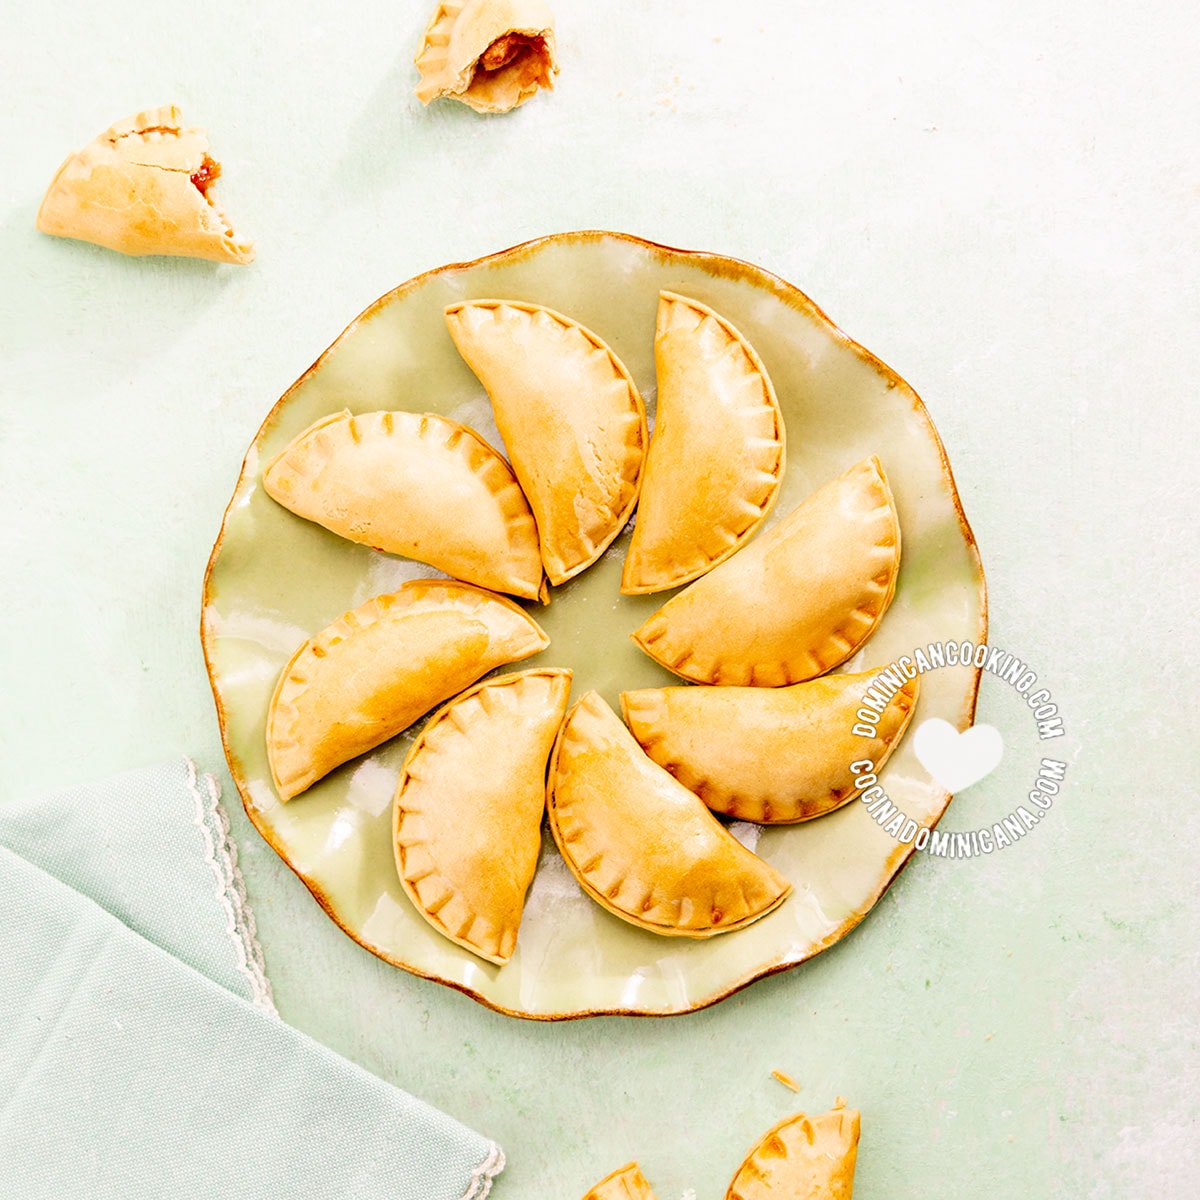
786	1080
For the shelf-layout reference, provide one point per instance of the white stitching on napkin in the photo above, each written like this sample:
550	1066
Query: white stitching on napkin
220	853
483	1176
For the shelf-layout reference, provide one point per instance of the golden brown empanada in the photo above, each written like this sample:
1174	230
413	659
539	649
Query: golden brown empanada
144	187
490	54
469	804
379	667
571	419
795	602
626	1183
716	459
773	755
414	484
642	845
802	1158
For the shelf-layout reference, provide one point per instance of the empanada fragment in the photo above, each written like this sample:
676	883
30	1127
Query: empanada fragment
377	668
144	187
415	484
771	755
794	603
625	1183
467	816
716	458
571	417
802	1158
643	846
490	54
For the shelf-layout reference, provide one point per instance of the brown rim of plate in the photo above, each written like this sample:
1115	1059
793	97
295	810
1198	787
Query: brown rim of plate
730	268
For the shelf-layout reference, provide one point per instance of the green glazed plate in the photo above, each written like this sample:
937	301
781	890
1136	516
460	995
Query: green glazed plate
275	579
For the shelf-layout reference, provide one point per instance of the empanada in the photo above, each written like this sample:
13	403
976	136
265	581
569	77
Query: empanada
379	667
716	459
795	602
626	1183
773	755
468	809
642	845
802	1158
490	54
571	418
144	187
414	484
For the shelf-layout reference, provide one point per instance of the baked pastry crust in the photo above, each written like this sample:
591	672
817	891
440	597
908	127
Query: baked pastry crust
492	55
643	846
144	187
571	418
467	816
771	755
797	601
625	1183
716	458
377	668
415	484
802	1158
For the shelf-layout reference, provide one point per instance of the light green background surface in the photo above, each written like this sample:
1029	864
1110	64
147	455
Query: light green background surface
1000	201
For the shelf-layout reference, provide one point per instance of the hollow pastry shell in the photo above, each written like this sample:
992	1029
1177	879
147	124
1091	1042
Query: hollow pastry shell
794	603
802	1158
379	667
643	846
716	459
625	1183
415	484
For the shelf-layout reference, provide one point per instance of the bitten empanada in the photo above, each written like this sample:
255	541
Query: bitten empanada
379	667
772	755
716	459
414	484
144	187
643	846
625	1183
571	418
468	809
802	1158
795	602
490	54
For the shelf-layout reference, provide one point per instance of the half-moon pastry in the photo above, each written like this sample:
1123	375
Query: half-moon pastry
144	187
795	602
716	459
625	1183
571	418
377	668
802	1158
467	818
643	846
771	755
414	484
490	54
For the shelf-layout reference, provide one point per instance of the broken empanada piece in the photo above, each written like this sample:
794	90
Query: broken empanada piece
468	809
490	54
716	459
414	484
643	846
625	1183
795	602
571	418
771	755
376	669
802	1158
144	187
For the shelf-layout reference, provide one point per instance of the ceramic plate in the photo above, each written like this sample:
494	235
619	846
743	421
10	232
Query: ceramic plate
275	579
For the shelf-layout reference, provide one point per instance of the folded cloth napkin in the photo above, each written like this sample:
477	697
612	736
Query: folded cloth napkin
140	1051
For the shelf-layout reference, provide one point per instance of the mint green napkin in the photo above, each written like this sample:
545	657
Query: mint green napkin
140	1052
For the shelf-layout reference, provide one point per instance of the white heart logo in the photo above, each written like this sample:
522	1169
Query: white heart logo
957	760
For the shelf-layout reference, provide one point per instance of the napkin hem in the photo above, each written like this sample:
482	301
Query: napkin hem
484	1175
220	853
